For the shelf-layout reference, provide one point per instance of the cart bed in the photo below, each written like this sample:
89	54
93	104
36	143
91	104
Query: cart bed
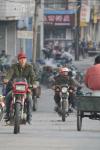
88	103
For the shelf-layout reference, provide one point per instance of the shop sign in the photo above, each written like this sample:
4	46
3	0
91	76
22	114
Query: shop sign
58	19
24	34
84	13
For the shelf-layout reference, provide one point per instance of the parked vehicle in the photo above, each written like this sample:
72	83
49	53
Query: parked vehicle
36	92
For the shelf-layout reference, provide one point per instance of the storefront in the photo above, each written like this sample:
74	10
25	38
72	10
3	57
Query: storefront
58	26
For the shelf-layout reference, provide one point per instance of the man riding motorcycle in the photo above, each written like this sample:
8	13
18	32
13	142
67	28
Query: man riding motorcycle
18	70
61	79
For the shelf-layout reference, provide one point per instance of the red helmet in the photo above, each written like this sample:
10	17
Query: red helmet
21	55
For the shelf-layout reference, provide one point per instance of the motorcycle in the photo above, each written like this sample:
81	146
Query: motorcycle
2	106
62	91
19	103
36	92
34	97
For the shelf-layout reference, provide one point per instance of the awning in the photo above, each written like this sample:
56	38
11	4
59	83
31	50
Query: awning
58	12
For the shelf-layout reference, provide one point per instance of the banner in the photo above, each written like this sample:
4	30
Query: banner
64	19
85	13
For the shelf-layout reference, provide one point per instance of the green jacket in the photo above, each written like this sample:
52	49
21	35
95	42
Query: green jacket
16	71
61	80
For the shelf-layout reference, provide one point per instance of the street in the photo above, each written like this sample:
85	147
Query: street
48	132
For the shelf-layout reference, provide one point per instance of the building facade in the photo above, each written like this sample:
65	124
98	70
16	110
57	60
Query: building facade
56	21
59	21
10	13
90	20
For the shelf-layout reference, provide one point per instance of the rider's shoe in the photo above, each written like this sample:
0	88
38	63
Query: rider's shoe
6	117
59	112
70	110
29	120
56	108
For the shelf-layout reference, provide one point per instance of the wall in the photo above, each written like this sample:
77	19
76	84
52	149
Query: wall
8	35
2	37
14	10
11	38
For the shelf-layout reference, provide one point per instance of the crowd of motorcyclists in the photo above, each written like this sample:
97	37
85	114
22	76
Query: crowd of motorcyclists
62	74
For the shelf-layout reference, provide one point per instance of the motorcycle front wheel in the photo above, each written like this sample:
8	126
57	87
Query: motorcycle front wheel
63	111
17	118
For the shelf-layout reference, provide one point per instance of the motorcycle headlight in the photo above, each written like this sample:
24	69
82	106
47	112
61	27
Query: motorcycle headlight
20	87
64	89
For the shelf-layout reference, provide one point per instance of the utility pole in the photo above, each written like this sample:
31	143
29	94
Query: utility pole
35	31
42	28
77	29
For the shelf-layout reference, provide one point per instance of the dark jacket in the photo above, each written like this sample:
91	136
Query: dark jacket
61	80
16	71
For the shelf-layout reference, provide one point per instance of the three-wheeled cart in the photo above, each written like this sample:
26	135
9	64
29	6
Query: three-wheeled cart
87	106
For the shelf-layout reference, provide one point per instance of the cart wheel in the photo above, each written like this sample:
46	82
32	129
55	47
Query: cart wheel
79	120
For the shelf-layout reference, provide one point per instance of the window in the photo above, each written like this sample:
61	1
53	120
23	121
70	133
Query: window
55	4
55	32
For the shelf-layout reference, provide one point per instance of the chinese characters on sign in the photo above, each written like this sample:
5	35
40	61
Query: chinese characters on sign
58	19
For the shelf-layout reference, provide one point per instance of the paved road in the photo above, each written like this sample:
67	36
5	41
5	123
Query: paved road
48	132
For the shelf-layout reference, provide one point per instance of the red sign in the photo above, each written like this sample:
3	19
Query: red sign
59	19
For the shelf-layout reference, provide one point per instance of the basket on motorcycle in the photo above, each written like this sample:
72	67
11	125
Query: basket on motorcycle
88	103
20	87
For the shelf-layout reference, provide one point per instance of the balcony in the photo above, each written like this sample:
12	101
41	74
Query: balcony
15	10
